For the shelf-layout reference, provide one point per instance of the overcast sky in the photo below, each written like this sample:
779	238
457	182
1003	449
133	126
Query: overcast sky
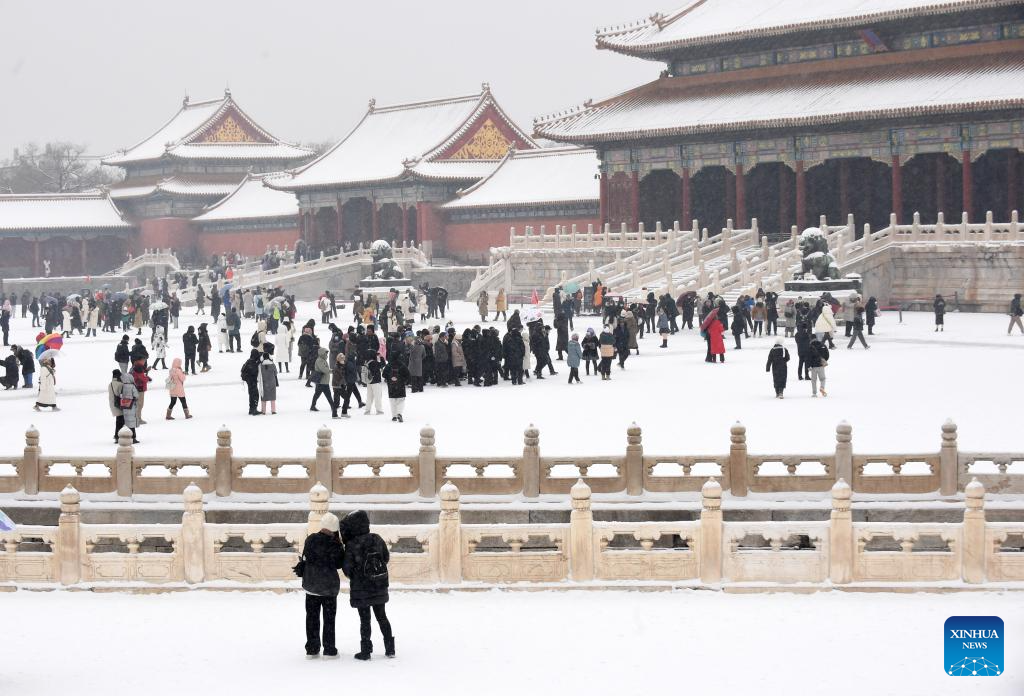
107	74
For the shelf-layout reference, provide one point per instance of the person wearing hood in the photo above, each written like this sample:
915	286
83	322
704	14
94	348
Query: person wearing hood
365	564
607	349
222	333
268	381
1016	312
321	378
124	403
176	389
857	328
396	376
590	344
713	330
159	348
372	376
417	352
817	361
28	365
442	361
322	556
870	313
939	305
250	374
204	347
825	324
10	378
122	354
778	357
512	351
190	342
573	358
803	351
308	345
47	397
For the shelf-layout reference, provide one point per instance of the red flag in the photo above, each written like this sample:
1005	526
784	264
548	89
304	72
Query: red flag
534	299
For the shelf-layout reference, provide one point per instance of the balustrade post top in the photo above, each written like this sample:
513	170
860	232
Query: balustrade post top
224	436
531	435
324	436
841	491
579	491
32	436
318	493
124	438
449	493
975	494
845	429
711	491
193	496
949	429
738	430
69	498
427	433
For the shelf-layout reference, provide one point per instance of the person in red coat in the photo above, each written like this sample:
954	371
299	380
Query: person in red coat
712	329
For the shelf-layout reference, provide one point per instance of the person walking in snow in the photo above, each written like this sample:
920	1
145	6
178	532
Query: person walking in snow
365	564
803	351
159	348
47	397
190	342
320	376
283	341
778	359
1016	312
870	313
176	389
268	383
825	324
250	374
817	361
204	347
574	355
713	331
322	556
857	328
501	306
939	306
396	375
607	350
590	345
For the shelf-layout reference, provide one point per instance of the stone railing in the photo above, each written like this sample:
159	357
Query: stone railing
632	472
148	257
570	237
706	552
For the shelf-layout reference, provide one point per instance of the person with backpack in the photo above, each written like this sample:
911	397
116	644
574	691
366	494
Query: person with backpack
396	376
322	556
1016	312
939	305
250	374
778	359
817	361
123	399
365	564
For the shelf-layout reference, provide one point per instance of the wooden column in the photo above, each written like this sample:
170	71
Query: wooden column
302	226
405	224
968	184
1012	190
940	184
897	188
339	227
741	199
801	197
687	216
784	198
85	258
634	202
375	222
844	188
604	198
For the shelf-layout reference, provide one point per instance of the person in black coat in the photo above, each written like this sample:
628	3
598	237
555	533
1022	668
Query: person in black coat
250	374
870	312
803	347
28	364
322	556
366	567
190	343
939	305
514	321
739	323
122	354
514	351
778	357
771	303
10	378
396	376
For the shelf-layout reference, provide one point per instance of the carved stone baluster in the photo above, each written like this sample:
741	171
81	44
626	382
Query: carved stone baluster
449	533
69	536
581	534
841	535
193	535
711	532
974	554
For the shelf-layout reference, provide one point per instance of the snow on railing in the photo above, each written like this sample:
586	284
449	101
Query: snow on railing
703	552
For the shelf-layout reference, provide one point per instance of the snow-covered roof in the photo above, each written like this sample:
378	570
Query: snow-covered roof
175	185
536	177
397	141
681	106
704	22
66	211
453	170
215	129
252	200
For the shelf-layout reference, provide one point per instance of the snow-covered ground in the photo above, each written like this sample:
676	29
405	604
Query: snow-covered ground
895	395
576	642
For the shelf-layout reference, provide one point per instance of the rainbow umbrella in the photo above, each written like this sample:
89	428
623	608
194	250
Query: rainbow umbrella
6	524
48	345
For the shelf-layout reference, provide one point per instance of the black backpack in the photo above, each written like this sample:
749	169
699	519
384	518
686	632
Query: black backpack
375	570
255	340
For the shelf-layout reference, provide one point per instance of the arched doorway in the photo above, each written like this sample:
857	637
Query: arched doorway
770	187
357	222
661	198
412	224
997	175
932	182
713	190
325	230
823	193
620	199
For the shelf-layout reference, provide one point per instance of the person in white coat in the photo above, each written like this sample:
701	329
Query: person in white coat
222	332
825	324
283	341
92	319
47	397
159	353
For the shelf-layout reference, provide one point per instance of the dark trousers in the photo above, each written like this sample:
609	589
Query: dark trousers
341	398
118	424
606	366
353	390
326	391
176	399
314	604
772	327
587	362
382	622
515	371
737	337
190	363
254	396
574	374
855	336
235	339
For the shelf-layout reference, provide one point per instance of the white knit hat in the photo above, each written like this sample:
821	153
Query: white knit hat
329	522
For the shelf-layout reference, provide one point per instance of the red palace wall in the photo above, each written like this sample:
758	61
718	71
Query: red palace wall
472	241
247	242
165	233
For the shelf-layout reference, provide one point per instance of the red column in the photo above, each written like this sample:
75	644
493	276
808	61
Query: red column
338	224
405	224
940	184
844	187
604	198
421	227
635	200
687	220
968	202
1012	192
801	197
375	222
741	199
897	188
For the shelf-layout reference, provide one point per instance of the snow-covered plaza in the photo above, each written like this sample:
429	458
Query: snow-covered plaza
575	642
895	395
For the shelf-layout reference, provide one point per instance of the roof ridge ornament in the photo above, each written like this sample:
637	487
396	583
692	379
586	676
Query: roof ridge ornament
485	87
184	102
372	105
227	91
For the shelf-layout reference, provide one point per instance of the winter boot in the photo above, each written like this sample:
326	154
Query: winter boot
389	646
187	414
169	416
365	650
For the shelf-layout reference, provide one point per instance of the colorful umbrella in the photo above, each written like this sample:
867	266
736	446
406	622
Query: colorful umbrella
6	524
48	345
